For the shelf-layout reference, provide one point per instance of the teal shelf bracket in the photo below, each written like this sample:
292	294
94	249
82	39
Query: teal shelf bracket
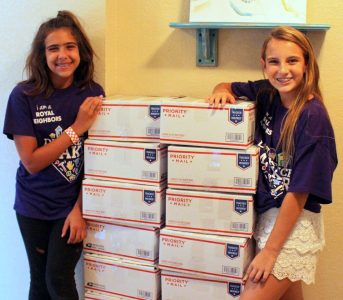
207	36
207	47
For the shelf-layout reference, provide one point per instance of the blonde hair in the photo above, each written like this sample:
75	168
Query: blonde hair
308	88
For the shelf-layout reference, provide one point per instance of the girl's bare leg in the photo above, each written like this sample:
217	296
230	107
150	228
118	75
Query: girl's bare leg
295	292
271	289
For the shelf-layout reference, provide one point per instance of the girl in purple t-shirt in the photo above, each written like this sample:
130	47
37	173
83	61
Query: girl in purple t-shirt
297	161
48	116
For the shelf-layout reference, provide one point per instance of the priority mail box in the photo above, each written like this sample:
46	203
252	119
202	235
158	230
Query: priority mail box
209	212
123	202
184	286
128	118
189	121
144	163
209	255
121	278
208	169
122	241
90	295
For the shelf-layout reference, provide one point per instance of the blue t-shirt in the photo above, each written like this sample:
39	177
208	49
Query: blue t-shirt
314	159
51	193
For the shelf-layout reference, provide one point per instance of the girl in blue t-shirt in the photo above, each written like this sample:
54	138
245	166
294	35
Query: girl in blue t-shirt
48	116
297	161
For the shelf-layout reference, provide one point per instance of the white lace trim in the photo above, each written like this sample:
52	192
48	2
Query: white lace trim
294	266
298	258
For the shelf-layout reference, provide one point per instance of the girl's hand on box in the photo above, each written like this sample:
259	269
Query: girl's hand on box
221	98
221	94
261	266
87	114
76	225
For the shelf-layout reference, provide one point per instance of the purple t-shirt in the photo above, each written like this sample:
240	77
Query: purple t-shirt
315	157
51	193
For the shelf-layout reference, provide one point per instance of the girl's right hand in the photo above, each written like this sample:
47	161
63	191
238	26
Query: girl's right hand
87	114
222	94
221	98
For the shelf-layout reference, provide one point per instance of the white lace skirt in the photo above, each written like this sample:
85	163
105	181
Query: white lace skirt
298	257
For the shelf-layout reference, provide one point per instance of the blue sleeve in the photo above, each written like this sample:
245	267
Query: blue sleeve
102	91
315	157
248	89
98	90
18	117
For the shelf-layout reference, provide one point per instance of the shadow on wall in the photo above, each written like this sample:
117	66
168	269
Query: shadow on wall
237	49
317	39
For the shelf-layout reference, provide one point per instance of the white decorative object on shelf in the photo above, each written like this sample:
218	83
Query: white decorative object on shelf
267	11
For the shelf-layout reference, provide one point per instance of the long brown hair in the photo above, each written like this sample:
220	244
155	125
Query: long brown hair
36	66
308	88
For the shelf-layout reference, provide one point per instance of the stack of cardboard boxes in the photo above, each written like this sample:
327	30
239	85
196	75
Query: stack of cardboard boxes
207	209
212	174
124	200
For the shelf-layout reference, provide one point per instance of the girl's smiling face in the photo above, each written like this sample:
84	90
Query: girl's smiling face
62	56
284	66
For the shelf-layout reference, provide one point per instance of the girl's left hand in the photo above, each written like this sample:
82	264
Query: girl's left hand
261	266
77	226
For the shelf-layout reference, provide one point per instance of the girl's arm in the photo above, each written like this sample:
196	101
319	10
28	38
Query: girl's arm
262	265
221	94
36	158
75	223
